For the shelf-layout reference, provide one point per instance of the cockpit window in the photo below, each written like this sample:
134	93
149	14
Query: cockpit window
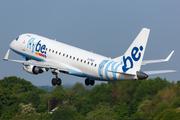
17	38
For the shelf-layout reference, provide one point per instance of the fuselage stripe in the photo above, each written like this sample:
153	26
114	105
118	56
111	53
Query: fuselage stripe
106	69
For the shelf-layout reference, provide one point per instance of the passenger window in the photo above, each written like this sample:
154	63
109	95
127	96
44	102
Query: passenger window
91	63
63	54
49	50
84	61
46	48
59	53
95	65
66	55
81	60
73	58
56	52
77	59
53	51
70	57
88	62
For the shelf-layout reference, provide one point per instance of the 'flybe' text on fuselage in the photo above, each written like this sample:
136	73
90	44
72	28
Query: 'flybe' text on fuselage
36	47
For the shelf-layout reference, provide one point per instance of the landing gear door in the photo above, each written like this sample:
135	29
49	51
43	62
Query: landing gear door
101	67
25	42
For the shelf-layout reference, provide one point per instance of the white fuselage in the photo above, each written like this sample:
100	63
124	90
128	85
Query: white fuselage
79	62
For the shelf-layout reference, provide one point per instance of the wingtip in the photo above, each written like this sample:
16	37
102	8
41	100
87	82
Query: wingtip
7	55
167	59
5	59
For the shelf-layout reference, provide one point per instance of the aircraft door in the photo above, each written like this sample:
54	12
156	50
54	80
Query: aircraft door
25	42
101	67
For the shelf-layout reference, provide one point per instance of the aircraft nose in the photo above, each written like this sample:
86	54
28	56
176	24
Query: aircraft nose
12	44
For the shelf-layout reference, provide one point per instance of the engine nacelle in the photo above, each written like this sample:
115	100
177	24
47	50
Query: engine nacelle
33	69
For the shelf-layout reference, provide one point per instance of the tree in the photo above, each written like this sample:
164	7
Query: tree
32	97
27	109
169	114
12	81
6	98
10	88
9	112
123	111
79	89
59	93
44	102
100	93
65	112
101	111
148	88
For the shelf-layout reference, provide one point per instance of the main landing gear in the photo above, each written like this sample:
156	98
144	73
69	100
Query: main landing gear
56	81
89	82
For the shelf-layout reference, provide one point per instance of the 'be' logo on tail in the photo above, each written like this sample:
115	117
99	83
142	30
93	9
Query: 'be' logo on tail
133	56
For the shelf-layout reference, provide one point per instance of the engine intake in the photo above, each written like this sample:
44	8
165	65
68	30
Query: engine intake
33	69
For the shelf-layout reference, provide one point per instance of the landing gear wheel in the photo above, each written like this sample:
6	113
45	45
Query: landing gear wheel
92	82
58	81
87	81
54	81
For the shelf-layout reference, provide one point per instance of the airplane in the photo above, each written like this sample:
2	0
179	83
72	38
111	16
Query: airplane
41	54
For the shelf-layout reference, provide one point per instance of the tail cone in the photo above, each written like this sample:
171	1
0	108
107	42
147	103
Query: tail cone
141	75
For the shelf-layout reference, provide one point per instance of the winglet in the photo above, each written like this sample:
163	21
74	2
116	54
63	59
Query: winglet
7	55
167	59
157	61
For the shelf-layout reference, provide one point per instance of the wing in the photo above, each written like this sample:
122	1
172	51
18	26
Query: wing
157	61
42	64
158	72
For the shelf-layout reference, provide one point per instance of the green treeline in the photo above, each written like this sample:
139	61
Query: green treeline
155	99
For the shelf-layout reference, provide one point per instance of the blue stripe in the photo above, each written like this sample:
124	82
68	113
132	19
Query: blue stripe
112	69
106	69
101	66
116	69
73	72
29	56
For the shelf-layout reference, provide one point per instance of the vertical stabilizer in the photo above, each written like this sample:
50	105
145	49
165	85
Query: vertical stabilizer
132	58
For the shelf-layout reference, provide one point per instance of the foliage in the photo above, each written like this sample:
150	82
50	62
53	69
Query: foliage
32	97
65	112
11	111
147	99
169	114
160	108
26	109
149	88
123	111
14	82
59	93
101	111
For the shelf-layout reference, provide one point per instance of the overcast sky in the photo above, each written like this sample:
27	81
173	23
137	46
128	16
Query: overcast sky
106	27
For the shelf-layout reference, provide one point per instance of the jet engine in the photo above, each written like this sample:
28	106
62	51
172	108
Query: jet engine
32	69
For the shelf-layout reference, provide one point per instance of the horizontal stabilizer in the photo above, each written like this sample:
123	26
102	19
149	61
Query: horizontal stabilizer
158	72
157	61
120	72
